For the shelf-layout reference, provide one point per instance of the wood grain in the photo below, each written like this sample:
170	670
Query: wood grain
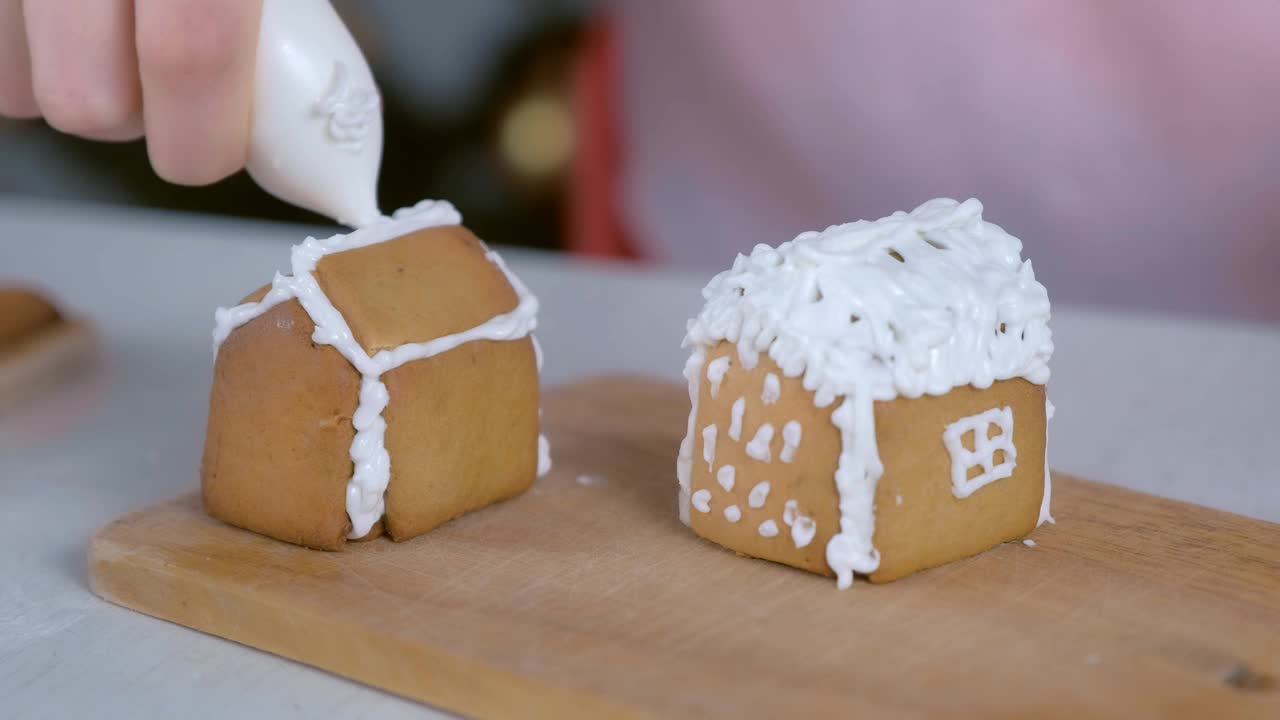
586	598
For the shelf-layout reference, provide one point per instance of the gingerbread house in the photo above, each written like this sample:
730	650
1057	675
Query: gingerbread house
870	399
388	384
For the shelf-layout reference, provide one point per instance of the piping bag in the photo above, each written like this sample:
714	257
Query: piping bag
316	136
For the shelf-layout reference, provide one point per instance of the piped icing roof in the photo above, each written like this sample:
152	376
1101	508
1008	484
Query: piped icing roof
913	303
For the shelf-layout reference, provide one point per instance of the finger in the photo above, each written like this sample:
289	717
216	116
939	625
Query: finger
84	72
196	59
16	98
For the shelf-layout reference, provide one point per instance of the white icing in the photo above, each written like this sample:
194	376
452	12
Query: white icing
716	370
1045	515
758	448
791	433
316	133
709	446
914	303
790	511
748	356
759	495
897	499
544	455
858	471
803	530
768	529
372	464
772	389
684	461
735	419
726	477
984	450
1029	542
702	501
732	514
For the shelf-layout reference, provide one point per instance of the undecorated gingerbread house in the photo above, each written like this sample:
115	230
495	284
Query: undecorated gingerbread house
871	399
388	384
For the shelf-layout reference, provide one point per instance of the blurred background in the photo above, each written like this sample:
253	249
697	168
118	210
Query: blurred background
1134	147
476	103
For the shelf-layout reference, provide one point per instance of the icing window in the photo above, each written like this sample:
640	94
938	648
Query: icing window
982	450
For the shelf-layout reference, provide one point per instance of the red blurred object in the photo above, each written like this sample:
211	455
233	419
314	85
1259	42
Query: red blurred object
595	226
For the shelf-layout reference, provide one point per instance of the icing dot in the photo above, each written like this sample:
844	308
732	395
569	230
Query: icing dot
768	528
735	420
759	495
790	511
716	370
791	441
772	389
725	477
802	531
709	445
732	514
1029	542
758	448
702	501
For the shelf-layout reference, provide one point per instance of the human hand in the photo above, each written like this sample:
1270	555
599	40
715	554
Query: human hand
180	72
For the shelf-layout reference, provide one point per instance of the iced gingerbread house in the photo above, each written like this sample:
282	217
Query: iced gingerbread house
388	384
871	399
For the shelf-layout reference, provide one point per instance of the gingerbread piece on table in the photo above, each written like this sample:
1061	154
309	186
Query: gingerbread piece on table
871	399
39	346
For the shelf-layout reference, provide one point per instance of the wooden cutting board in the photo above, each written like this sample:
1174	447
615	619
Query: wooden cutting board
587	598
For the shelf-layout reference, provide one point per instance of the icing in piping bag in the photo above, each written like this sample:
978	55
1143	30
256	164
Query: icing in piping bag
317	118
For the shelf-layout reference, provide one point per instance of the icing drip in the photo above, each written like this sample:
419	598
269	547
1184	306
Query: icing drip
772	389
735	419
684	461
702	501
367	488
749	356
914	303
732	514
372	465
758	448
716	370
791	433
857	473
726	477
768	529
1045	515
759	495
709	445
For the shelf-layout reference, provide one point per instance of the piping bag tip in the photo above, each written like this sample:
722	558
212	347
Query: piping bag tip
316	135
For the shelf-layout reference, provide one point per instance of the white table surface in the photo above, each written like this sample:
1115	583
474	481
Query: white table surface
1184	408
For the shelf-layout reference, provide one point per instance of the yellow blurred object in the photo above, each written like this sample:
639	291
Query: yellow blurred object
536	136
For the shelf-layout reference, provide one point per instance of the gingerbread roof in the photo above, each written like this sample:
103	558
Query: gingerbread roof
913	303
